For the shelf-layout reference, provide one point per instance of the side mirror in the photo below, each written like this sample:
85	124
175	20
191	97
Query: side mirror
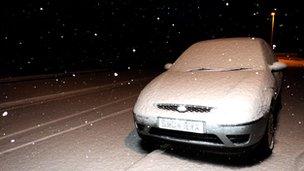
167	66
277	66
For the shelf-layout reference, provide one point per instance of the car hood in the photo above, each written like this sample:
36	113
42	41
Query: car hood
243	94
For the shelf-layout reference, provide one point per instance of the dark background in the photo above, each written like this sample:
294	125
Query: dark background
47	36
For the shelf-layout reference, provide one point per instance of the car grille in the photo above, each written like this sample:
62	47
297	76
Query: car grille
189	108
210	138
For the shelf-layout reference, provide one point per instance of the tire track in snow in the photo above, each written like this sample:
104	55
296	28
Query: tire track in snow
66	131
66	117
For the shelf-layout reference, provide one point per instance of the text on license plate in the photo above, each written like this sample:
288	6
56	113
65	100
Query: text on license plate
181	125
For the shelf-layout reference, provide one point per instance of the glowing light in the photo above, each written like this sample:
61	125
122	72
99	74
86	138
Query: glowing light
5	113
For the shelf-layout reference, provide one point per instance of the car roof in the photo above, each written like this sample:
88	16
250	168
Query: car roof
225	53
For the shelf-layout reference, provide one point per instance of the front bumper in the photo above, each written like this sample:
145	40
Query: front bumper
227	136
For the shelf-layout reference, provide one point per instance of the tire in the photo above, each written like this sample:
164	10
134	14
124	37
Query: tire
276	110
267	142
278	104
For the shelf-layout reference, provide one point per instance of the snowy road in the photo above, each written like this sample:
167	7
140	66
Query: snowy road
93	130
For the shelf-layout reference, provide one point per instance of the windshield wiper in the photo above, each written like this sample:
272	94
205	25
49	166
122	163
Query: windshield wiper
236	69
220	69
199	69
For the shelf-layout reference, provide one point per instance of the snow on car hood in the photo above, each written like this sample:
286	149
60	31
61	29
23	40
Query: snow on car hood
236	96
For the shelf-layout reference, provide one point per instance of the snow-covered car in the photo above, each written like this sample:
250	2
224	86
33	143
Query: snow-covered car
218	93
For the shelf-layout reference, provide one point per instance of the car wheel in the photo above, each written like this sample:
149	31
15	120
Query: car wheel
267	143
278	104
276	110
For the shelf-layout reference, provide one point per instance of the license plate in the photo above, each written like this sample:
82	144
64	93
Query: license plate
181	125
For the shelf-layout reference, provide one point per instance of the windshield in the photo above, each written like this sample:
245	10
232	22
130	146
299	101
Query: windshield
233	54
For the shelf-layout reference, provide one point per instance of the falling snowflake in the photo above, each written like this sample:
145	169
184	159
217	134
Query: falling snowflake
5	113
12	140
115	74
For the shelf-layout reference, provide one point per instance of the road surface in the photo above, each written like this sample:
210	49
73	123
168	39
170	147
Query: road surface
79	126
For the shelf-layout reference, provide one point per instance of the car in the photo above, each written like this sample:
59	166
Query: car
219	93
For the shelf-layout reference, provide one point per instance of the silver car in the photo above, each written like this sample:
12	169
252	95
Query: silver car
219	93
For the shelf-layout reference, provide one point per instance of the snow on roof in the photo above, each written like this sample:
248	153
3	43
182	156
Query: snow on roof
224	53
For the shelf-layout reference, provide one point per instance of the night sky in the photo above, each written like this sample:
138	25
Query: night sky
46	36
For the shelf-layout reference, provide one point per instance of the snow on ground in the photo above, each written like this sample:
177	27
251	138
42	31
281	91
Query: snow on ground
83	132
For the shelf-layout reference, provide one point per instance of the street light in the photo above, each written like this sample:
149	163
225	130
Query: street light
272	27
